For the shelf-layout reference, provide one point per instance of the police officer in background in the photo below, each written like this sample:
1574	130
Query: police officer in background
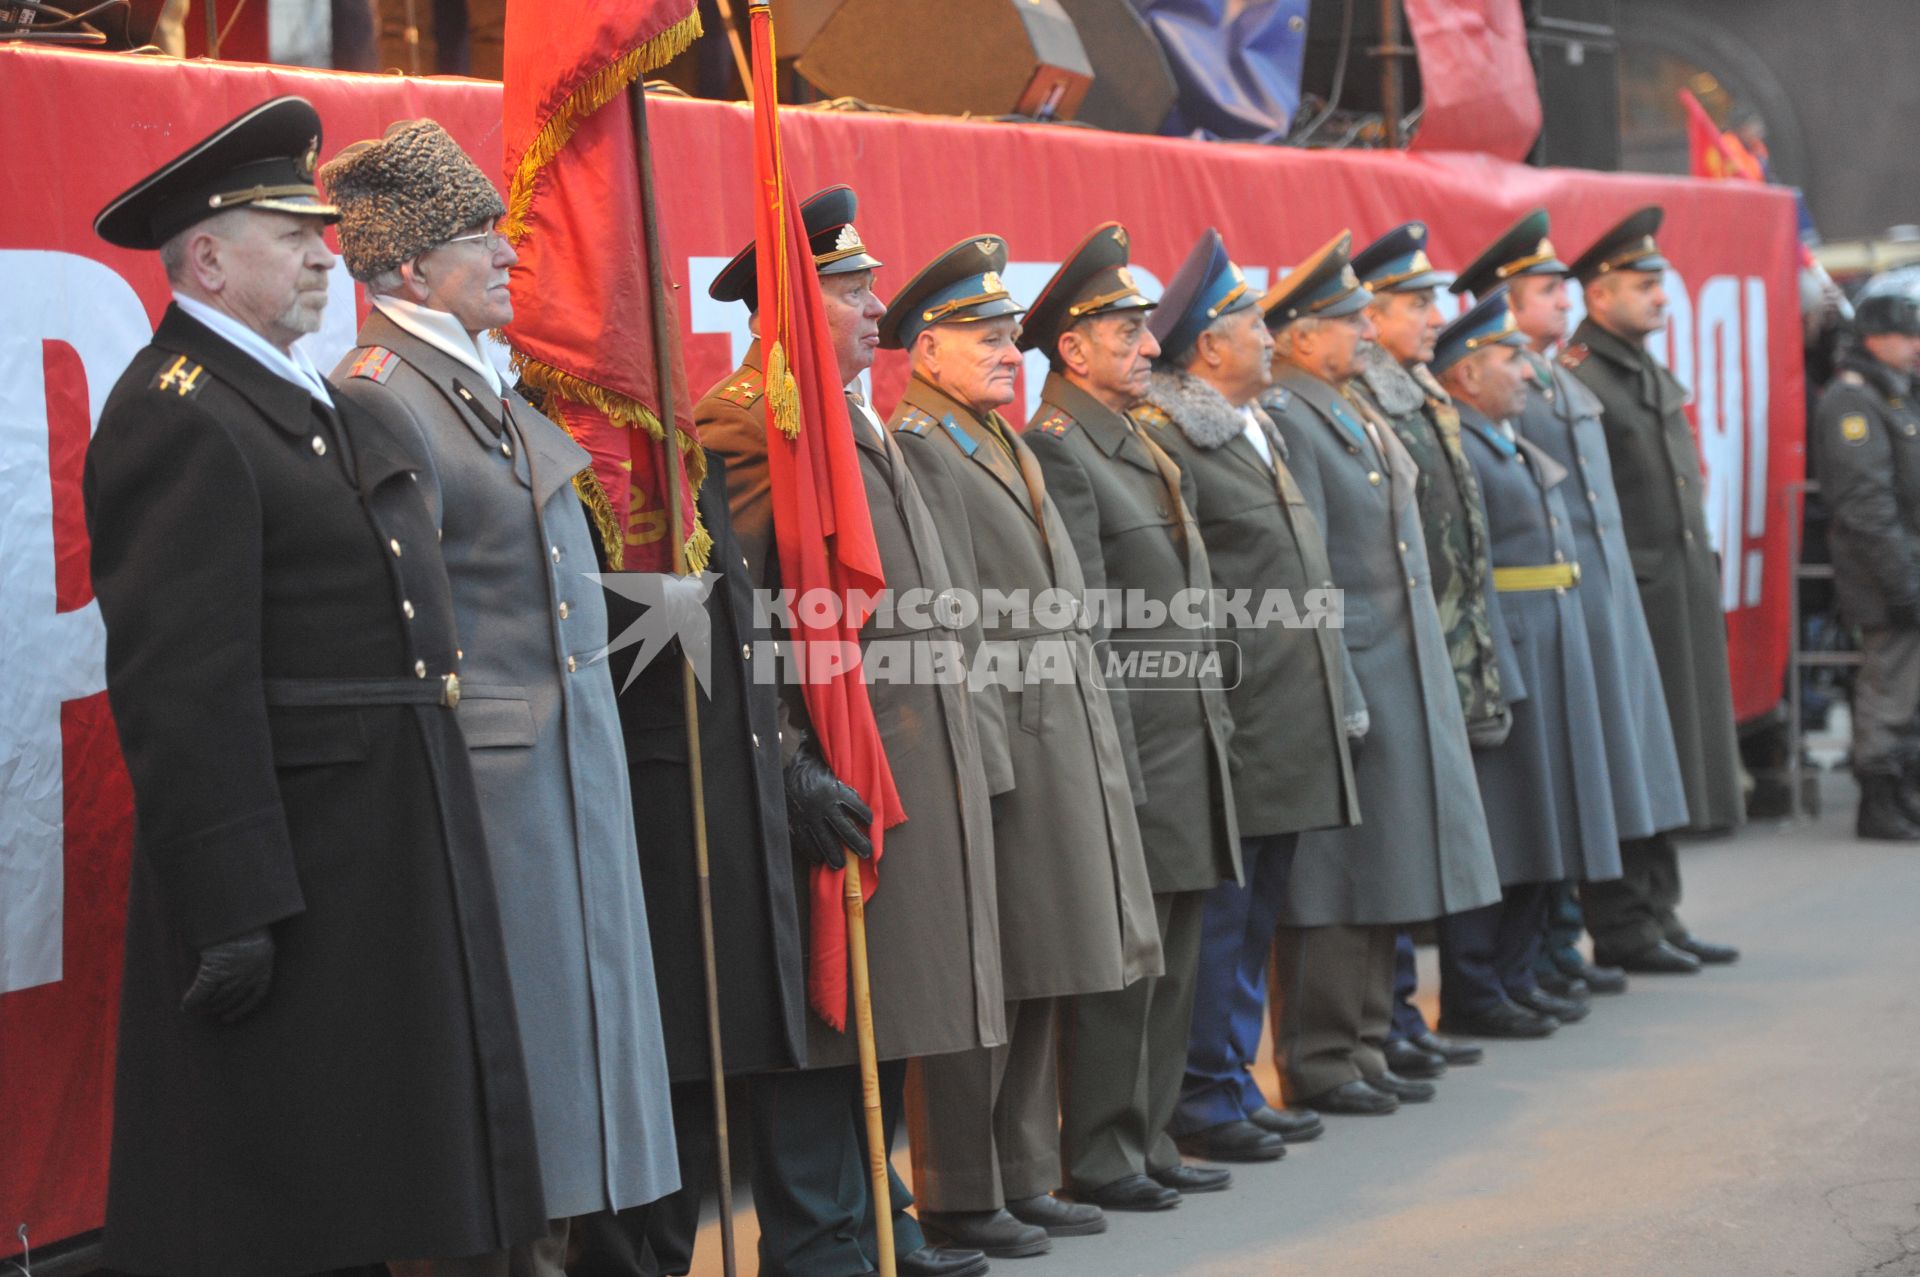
1866	440
1657	468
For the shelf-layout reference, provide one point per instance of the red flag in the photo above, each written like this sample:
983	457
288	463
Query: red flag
582	328
1713	154
1476	78
820	518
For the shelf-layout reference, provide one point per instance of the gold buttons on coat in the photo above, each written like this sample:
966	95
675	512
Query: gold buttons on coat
506	448
746	651
406	608
1373	477
563	611
419	669
393	543
573	666
319	446
556	554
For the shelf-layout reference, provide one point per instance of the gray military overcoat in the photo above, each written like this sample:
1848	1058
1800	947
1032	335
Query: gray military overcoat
1657	472
1548	800
1421	848
1563	418
933	934
1076	906
1130	525
543	731
1291	769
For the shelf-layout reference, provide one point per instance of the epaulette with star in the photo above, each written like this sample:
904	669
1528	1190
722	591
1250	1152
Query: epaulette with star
376	364
1150	414
1054	422
746	390
1575	355
915	422
961	439
183	377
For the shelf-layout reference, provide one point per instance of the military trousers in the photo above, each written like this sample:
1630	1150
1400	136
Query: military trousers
1636	910
1123	1055
545	1256
1407	1020
984	1124
811	1188
1230	989
1886	695
1560	946
657	1239
1487	954
1332	1006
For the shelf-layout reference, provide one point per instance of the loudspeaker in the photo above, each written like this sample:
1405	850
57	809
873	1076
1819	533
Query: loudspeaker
796	22
1576	59
952	57
1133	88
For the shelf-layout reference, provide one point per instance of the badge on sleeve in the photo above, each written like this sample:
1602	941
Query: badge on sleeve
1853	427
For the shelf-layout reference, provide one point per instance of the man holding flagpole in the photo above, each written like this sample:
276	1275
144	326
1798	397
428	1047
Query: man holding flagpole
932	933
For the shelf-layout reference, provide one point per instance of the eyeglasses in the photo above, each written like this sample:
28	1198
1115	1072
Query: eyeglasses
491	237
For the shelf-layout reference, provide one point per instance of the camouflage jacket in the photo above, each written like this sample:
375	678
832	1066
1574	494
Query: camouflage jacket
1452	517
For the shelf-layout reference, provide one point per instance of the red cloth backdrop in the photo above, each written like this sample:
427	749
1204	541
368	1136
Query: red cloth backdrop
1476	77
923	183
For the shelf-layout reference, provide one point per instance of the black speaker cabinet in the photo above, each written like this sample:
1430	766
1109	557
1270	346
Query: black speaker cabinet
952	57
1576	59
1133	88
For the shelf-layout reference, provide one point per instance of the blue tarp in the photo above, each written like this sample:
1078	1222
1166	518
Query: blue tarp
1238	79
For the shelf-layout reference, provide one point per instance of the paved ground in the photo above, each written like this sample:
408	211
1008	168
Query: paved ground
1762	1119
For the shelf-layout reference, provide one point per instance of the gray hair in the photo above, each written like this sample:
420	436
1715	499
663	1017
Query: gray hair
173	253
1285	339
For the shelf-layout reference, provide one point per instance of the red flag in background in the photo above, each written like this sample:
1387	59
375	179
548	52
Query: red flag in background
1476	78
1713	154
820	518
581	327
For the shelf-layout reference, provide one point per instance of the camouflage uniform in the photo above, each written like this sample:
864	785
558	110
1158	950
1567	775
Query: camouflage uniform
1454	523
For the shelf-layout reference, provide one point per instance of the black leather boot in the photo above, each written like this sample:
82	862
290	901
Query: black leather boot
1882	814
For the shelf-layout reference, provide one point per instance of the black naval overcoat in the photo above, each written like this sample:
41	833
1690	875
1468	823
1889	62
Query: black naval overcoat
375	1106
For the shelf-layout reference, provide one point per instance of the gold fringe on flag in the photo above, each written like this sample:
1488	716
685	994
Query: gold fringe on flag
628	413
783	393
594	92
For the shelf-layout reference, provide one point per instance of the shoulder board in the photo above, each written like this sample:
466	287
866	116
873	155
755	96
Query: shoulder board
745	389
965	441
1852	378
1054	423
1575	355
376	364
183	377
1151	414
1280	397
914	422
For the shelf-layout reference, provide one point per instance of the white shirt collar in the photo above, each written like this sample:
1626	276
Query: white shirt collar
873	418
295	367
1256	436
443	332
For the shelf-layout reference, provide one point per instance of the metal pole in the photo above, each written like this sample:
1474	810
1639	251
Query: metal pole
877	1149
740	63
1791	497
213	30
662	319
1390	54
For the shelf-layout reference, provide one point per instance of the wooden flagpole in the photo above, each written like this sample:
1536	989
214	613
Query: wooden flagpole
662	318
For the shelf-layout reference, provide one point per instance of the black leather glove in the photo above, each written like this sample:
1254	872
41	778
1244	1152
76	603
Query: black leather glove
233	978
1904	615
824	813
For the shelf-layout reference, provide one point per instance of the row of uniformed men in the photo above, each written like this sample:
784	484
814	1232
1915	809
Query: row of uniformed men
1487	729
422	1024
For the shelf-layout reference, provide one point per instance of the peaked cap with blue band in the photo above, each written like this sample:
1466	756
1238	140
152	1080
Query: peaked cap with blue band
1207	286
1397	262
1522	249
1628	246
263	159
1489	323
1324	286
831	238
1094	280
960	286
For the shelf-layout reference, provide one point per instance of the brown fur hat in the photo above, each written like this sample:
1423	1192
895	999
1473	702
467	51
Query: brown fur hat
403	193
